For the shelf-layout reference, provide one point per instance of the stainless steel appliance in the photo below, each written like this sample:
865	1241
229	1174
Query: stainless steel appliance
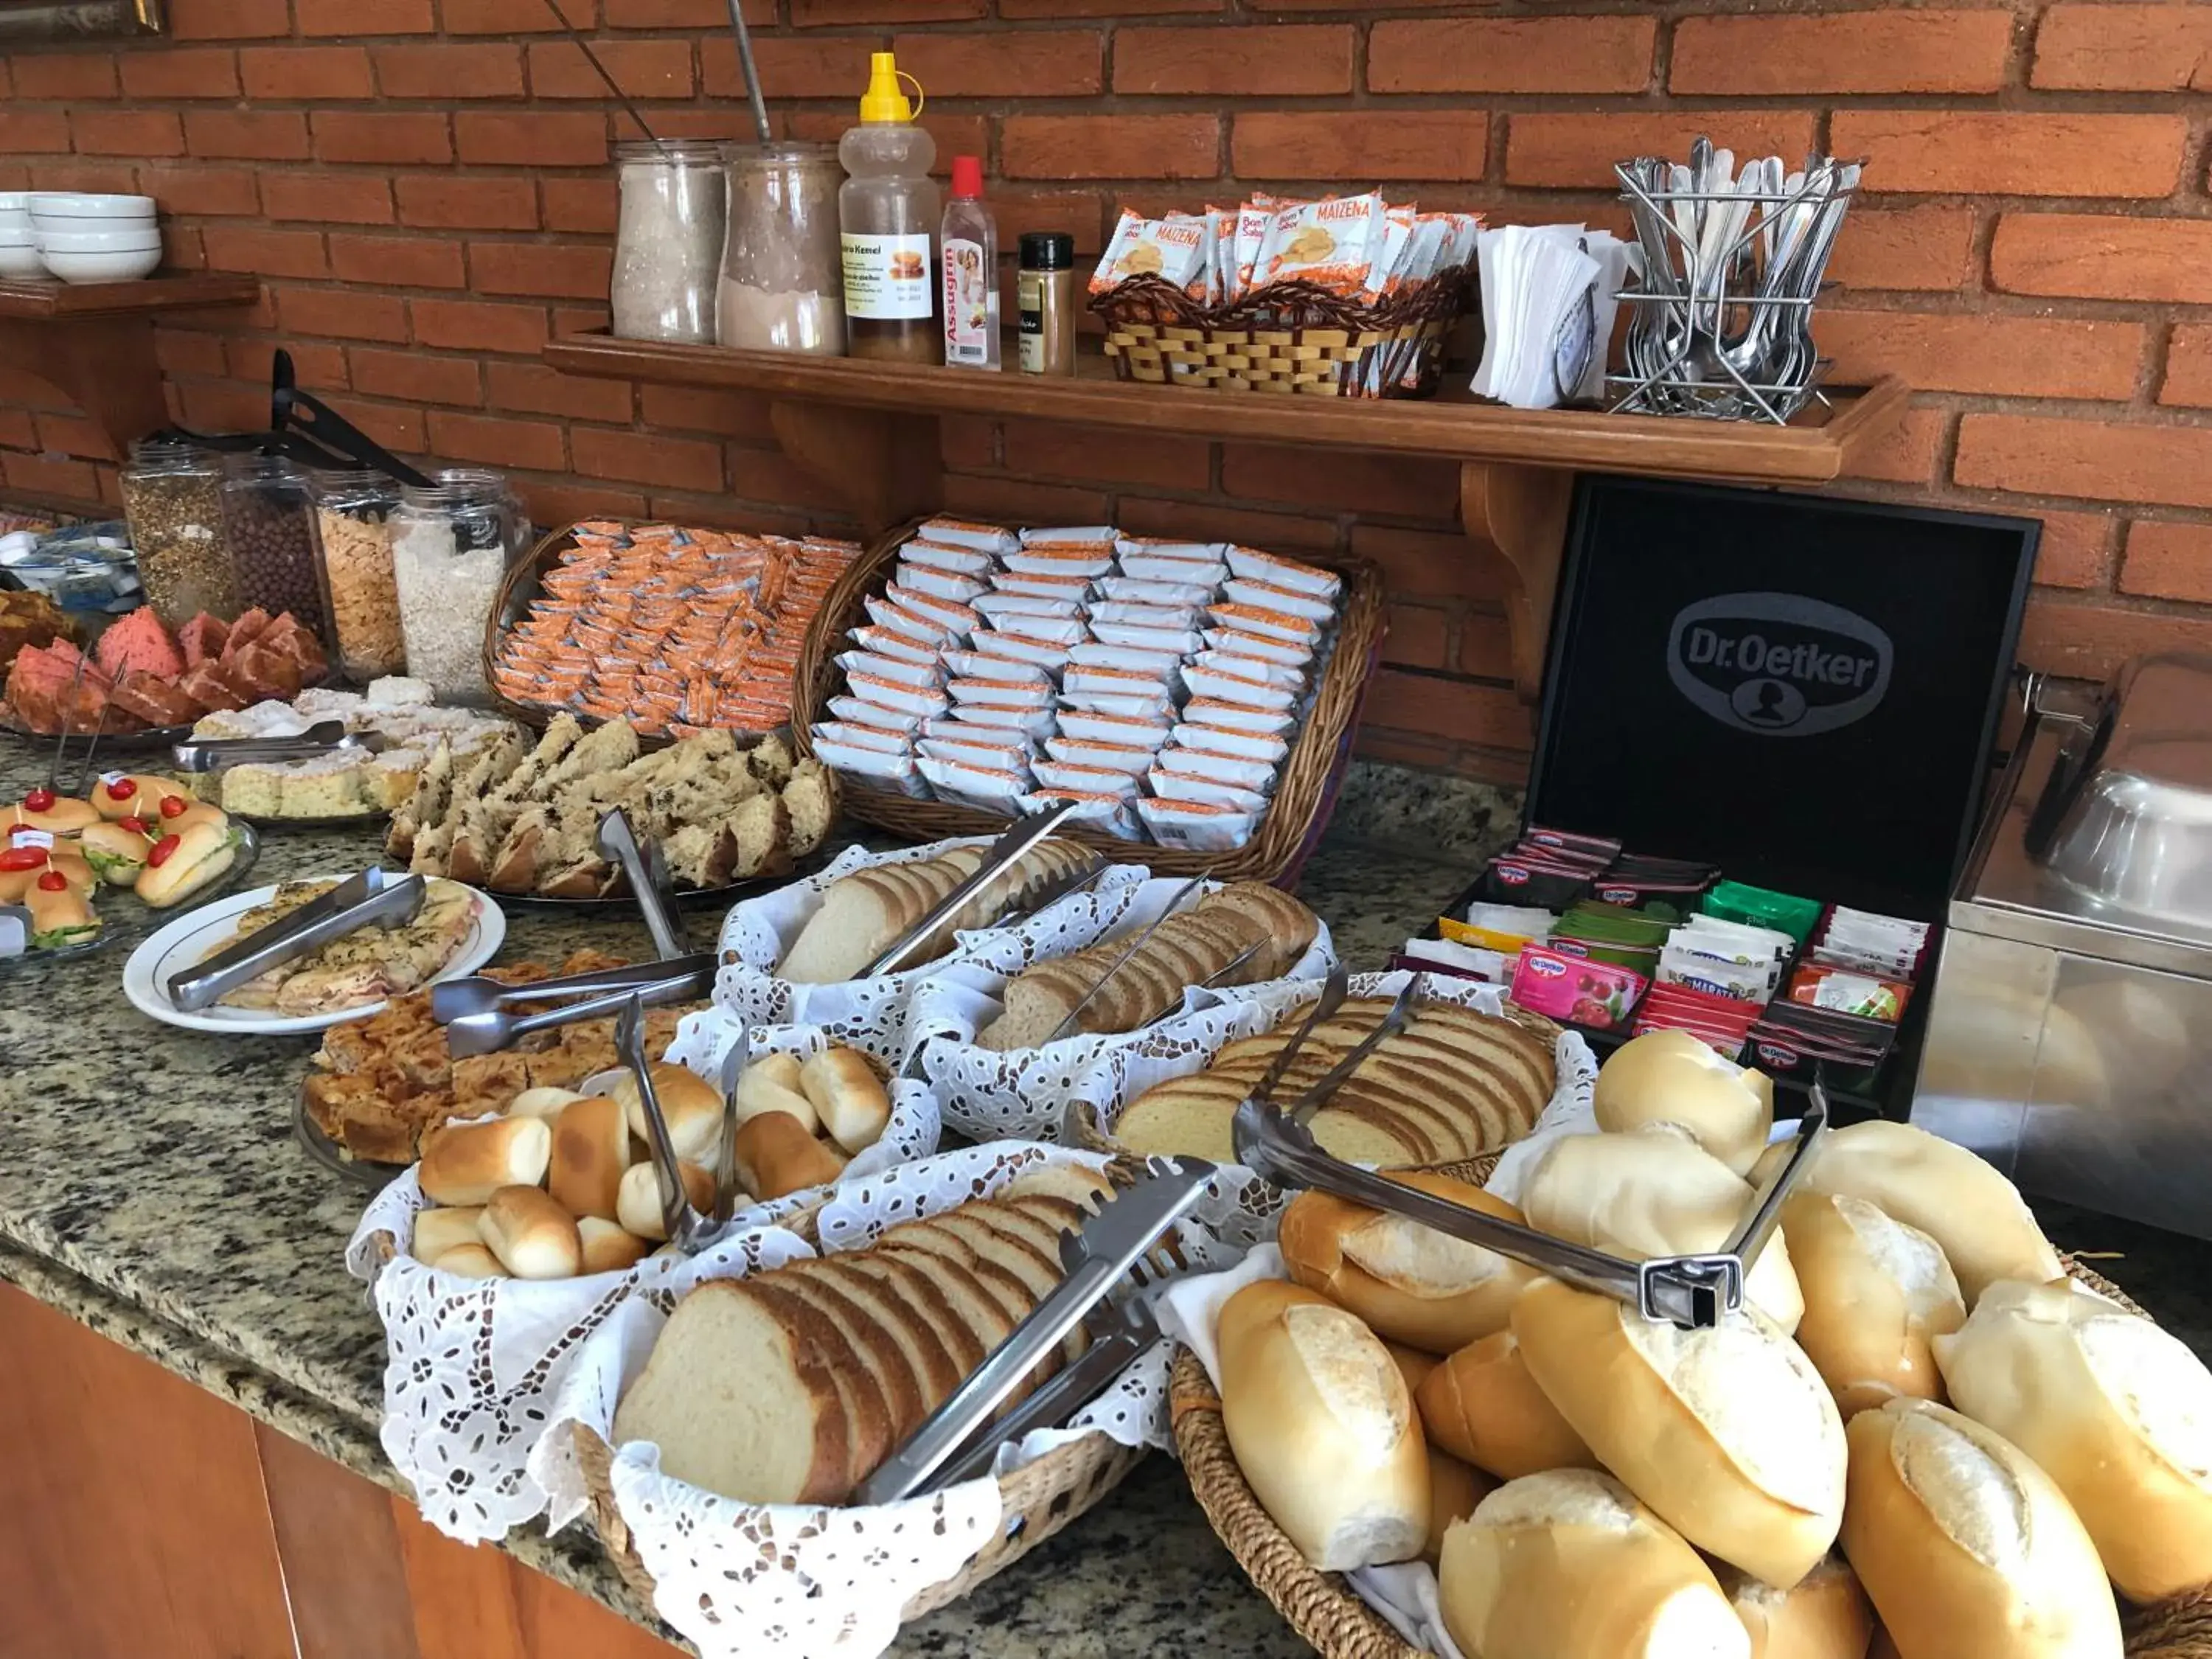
2070	1040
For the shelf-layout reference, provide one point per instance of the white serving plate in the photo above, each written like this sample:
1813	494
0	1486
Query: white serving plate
194	937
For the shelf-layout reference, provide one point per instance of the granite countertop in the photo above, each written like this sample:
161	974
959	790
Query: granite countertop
150	1186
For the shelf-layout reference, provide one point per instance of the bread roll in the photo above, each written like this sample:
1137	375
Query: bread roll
1875	1291
1883	1646
1654	1191
471	1261
607	1248
1728	1433
760	1090
545	1103
785	1071
1322	1427
1413	1365
1670	1077
1454	1491
591	1150
532	1237
1567	1564
687	1101
1966	1548
1958	1199
1481	1405
1826	1616
437	1231
2117	1412
1410	1283
468	1162
637	1202
776	1155
849	1100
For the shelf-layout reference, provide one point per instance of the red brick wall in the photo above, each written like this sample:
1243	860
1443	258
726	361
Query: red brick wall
425	185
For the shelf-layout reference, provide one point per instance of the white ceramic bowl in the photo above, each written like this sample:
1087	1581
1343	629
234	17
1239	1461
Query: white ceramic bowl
13	218
19	260
73	204
102	267
99	241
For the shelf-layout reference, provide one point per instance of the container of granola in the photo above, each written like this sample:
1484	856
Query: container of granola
353	531
173	497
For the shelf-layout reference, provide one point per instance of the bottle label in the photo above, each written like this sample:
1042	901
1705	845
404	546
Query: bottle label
1030	296
970	286
887	278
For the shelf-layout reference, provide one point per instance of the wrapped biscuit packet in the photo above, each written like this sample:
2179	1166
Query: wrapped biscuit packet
1070	535
1090	779
1107	812
1251	668
862	736
1256	775
1076	751
861	711
953	585
1169	248
1252	219
961	561
894	693
1164	668
982	664
986	750
1003	694
1290	653
1135	590
882	642
966	533
1072	590
1227	740
900	773
1032	639
1188	786
1177	618
1119	731
1253	565
1085	559
1154	705
862	666
1196	825
887	612
1023	723
1332	243
1288	601
1267	722
998	606
987	788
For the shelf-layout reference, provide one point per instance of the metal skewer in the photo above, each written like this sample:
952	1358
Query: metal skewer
1399	1015
751	74
592	58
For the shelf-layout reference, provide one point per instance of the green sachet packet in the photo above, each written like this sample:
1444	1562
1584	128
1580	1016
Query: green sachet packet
1593	919
1762	907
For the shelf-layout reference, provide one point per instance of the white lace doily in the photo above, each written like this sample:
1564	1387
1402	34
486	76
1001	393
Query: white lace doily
1177	1048
1024	1095
872	1013
745	1579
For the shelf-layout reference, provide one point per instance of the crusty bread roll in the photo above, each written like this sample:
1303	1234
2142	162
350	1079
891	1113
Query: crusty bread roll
1567	1564
849	1100
1670	1077
1480	1404
471	1261
2117	1412
546	1102
1413	1365
1966	1547
532	1237
1654	1191
1875	1291
1728	1433
607	1248
1956	1198
591	1150
1410	1283
762	1088
776	1155
687	1101
468	1162
784	1070
1322	1427
637	1202
1825	1615
1454	1491
1884	1646
437	1231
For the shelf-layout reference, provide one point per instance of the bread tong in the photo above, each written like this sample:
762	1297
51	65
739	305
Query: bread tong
479	1018
647	870
323	738
61	744
688	1231
375	898
1175	903
1111	1243
1005	854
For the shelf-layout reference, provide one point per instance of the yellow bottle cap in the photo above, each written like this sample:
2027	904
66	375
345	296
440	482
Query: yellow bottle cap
884	99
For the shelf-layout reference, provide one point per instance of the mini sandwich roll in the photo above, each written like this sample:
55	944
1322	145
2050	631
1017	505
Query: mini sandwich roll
637	1202
607	1248
776	1155
1410	1283
687	1101
1670	1077
1966	1547
1480	1404
532	1237
471	1261
437	1231
1728	1433
1826	1616
591	1150
849	1100
2117	1412
467	1164
1567	1564
1875	1291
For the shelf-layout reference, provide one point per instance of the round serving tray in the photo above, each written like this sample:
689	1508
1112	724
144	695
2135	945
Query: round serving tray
684	898
111	742
362	1172
249	849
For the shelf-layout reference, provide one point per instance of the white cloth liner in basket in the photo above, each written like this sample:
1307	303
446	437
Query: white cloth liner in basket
1177	1048
1025	1094
471	1365
871	1014
746	1579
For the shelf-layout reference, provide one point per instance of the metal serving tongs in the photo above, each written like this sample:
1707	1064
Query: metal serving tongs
375	898
1005	854
61	744
687	1229
1175	901
323	738
479	1017
647	870
1111	1243
1693	1291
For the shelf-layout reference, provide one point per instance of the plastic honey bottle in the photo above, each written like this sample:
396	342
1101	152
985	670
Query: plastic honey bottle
888	213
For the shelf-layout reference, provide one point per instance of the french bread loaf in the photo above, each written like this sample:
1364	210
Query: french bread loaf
1875	1291
591	1150
1728	1433
1480	1404
1455	1489
1825	1616
850	1101
1966	1547
1670	1077
466	1164
532	1237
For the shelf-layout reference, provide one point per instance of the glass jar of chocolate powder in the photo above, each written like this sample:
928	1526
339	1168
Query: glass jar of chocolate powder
268	520
173	497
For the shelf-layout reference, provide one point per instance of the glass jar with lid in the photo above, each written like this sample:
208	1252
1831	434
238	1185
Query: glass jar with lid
172	498
668	240
267	520
783	284
353	553
451	546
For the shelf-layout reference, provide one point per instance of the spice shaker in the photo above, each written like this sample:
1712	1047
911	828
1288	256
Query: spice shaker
269	522
783	287
352	552
451	546
668	241
1044	295
172	498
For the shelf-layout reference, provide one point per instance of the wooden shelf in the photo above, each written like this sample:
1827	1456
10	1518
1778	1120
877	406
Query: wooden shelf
870	429
93	342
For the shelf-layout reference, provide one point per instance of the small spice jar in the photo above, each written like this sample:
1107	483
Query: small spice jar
1044	297
783	280
352	552
668	241
451	545
173	497
267	520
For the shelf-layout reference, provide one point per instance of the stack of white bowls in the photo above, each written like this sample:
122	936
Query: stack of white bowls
19	245
83	238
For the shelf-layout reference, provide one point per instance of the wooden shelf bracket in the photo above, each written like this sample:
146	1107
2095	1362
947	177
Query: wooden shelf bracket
1519	515
886	465
104	365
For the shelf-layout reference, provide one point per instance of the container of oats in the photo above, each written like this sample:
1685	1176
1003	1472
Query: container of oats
354	531
173	497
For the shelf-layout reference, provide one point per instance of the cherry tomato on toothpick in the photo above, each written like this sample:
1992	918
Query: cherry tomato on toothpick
52	881
122	789
39	800
22	858
174	806
135	824
162	849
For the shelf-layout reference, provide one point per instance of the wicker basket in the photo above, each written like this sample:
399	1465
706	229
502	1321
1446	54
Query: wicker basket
1305	790
1342	1626
1291	337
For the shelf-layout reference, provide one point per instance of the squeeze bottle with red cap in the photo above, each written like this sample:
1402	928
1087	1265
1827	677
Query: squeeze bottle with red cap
887	217
970	250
